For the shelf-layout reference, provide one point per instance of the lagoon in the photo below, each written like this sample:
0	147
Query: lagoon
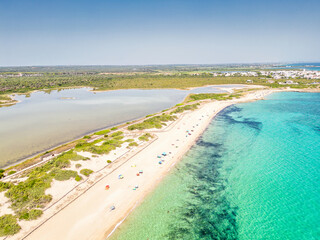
44	120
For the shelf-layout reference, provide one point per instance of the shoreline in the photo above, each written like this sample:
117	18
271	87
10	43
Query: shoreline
113	228
78	214
118	223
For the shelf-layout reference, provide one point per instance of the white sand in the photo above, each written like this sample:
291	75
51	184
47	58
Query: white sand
5	205
88	216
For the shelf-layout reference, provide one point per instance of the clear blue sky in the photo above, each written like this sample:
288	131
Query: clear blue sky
77	32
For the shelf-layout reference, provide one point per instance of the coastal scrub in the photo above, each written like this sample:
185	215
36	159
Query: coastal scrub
86	172
145	137
185	108
154	122
8	225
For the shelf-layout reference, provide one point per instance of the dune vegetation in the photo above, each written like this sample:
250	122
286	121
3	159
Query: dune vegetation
185	108
102	132
86	172
101	146
28	197
145	137
8	225
153	122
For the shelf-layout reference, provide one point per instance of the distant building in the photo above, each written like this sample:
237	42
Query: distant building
289	82
249	81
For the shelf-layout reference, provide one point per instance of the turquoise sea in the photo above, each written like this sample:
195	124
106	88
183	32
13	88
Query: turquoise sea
307	66
254	174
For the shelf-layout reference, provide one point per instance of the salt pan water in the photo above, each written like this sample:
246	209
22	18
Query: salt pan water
254	174
44	120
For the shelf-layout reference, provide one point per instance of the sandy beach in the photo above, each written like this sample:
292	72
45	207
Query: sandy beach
85	211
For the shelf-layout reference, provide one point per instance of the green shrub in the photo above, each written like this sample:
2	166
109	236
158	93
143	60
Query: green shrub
102	132
114	128
109	161
78	178
86	137
116	134
63	175
62	163
30	193
133	144
78	165
104	148
185	108
154	122
118	137
129	140
5	186
30	215
86	172
8	225
2	173
145	137
216	96
63	160
73	156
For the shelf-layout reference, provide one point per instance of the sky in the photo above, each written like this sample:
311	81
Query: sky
139	32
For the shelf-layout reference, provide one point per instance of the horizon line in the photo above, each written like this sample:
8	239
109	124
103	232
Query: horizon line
161	64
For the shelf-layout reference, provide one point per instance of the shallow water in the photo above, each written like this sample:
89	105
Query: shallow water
44	120
254	174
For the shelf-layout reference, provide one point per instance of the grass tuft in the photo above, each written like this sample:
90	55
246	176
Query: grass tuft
86	172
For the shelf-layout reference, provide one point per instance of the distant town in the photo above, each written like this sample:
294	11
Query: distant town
271	76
